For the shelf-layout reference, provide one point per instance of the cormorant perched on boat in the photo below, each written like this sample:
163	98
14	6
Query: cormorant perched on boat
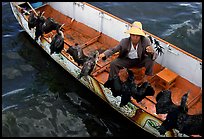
177	116
32	20
57	44
115	85
77	53
89	65
163	102
145	89
50	25
189	124
128	88
183	102
40	21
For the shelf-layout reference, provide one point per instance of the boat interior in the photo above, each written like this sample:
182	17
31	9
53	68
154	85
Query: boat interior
91	40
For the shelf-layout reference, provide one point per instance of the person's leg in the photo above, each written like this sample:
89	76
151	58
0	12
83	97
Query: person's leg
118	64
114	81
148	64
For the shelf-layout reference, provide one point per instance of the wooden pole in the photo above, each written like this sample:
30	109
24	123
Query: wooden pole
32	9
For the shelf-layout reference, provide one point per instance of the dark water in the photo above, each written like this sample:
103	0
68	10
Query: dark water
39	98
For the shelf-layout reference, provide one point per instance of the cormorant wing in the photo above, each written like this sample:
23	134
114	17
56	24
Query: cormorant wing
58	41
86	68
164	102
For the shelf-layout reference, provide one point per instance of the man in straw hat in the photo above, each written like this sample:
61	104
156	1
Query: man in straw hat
134	51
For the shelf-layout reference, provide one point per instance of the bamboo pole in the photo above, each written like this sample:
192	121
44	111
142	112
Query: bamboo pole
32	8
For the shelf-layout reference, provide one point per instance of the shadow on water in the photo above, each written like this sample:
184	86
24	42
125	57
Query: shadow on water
54	103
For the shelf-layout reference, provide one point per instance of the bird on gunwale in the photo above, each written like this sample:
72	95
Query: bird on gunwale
49	25
89	65
164	102
32	20
115	85
57	43
145	89
177	116
77	53
130	88
40	21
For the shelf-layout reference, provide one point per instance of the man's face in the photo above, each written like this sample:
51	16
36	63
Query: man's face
135	38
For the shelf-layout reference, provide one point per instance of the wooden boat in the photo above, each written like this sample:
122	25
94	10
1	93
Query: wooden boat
96	29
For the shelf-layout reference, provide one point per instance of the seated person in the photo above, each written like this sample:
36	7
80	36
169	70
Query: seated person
134	51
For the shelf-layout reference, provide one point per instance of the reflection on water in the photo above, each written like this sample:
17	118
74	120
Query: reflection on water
39	118
11	73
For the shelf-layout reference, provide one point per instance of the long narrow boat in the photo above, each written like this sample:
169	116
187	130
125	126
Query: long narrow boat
95	29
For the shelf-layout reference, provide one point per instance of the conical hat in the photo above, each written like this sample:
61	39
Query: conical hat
136	29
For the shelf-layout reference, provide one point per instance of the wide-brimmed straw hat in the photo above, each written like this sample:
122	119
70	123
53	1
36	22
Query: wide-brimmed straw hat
136	29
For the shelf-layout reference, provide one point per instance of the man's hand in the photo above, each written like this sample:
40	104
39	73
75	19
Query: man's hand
102	56
150	49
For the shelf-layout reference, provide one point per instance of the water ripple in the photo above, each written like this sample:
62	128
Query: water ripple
9	107
7	36
13	92
11	72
